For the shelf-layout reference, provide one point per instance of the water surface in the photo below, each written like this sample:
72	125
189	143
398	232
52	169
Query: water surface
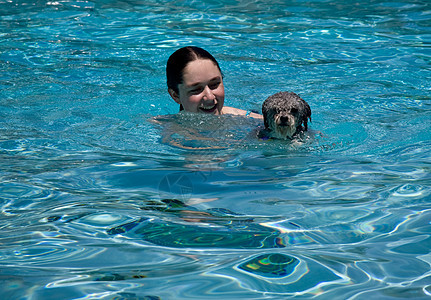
99	201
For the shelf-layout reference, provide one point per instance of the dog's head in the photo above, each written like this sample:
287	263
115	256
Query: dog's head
285	114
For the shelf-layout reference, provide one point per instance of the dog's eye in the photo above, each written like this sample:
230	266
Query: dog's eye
294	110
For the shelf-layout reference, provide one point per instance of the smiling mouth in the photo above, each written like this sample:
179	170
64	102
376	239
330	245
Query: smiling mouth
208	109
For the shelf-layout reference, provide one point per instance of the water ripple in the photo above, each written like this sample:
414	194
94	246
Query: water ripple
91	205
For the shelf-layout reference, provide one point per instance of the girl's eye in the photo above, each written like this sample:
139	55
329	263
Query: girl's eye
199	89
196	91
214	85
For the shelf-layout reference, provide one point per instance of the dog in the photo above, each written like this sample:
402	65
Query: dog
285	116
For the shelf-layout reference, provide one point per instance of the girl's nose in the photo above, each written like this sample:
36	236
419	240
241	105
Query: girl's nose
208	94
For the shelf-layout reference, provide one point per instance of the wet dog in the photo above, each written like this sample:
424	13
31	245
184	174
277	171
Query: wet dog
285	115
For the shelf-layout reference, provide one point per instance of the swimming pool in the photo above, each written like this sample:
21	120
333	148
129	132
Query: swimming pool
99	202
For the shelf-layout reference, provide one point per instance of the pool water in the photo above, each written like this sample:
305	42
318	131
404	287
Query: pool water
107	192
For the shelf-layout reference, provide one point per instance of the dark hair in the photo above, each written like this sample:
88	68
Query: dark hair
179	60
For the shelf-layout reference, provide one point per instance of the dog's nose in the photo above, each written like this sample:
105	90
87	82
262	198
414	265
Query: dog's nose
284	120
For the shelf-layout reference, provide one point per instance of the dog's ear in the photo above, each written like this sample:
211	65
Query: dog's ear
265	113
306	114
265	122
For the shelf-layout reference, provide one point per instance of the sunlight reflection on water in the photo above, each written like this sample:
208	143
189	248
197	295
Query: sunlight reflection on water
100	199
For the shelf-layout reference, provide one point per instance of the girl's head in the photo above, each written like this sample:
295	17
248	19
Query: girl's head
195	80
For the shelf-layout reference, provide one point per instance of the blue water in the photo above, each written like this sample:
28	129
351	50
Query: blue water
100	201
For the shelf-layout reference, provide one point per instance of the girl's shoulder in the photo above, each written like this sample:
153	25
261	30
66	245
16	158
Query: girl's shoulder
236	111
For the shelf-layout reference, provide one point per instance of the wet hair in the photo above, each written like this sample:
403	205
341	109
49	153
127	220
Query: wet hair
178	61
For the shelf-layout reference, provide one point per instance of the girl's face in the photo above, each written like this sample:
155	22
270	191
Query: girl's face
202	89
